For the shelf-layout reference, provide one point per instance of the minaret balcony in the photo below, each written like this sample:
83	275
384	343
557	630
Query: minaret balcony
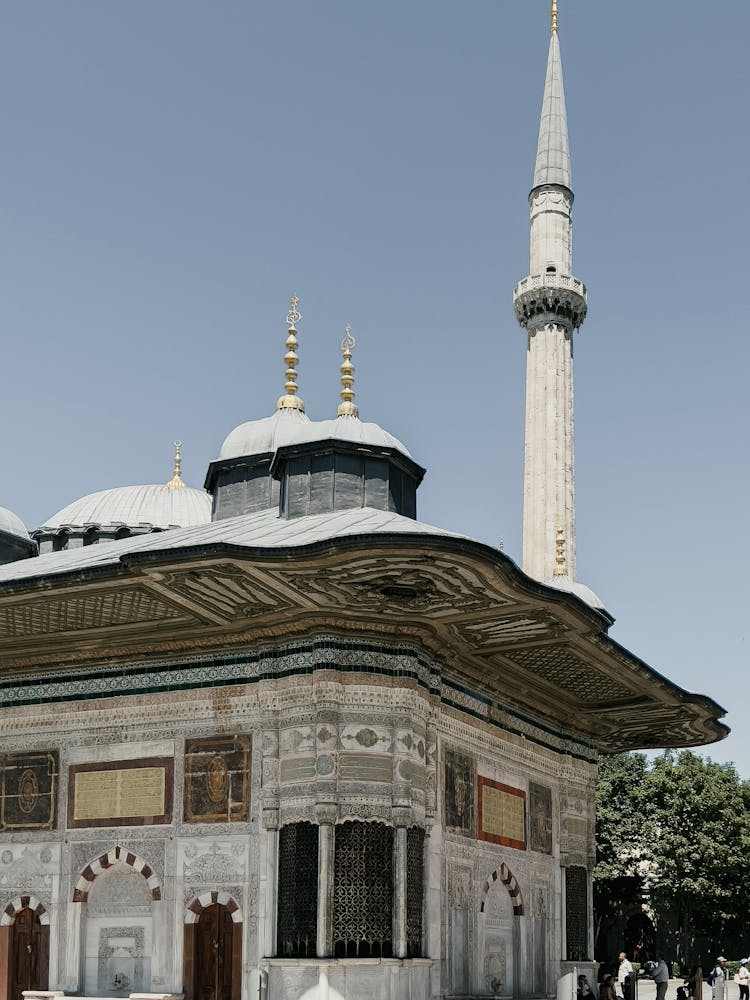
540	299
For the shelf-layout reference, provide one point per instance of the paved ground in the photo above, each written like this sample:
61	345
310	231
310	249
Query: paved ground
647	990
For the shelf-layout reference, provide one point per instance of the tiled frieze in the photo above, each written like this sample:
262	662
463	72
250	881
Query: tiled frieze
298	659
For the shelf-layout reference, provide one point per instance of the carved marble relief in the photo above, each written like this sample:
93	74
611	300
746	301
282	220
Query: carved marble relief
495	969
460	774
540	818
217	779
121	960
29	791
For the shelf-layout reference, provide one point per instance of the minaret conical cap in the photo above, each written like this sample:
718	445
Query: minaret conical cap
553	152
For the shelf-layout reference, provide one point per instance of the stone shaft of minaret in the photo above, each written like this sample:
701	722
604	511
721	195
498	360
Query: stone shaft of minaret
550	304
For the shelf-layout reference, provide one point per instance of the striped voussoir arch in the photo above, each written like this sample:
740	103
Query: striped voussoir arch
206	899
104	861
508	879
15	906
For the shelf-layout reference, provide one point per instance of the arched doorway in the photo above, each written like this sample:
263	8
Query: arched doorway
28	958
213	949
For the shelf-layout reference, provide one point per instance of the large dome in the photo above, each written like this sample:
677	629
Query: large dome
12	524
350	428
257	437
157	506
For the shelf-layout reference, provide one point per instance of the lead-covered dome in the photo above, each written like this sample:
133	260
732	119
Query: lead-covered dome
351	428
136	506
264	436
12	524
15	541
109	515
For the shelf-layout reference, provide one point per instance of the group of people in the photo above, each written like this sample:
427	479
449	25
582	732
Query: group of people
741	976
658	971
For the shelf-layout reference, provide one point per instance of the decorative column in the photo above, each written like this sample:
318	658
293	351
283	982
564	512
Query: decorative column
326	814
268	738
401	818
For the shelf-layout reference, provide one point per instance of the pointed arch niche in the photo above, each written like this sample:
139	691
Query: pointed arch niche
498	966
119	896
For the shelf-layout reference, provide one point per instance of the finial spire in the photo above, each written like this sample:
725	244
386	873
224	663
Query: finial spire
346	406
291	400
176	482
561	568
553	152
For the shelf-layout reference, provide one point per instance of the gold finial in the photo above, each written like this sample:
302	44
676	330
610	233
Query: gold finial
560	558
554	17
346	406
176	482
291	400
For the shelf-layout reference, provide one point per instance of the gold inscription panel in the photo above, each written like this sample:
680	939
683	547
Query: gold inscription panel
121	793
502	814
117	794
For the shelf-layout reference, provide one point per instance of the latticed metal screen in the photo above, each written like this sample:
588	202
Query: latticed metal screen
298	890
576	913
414	891
363	891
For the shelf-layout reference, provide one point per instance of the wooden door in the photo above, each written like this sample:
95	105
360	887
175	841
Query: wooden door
214	943
29	955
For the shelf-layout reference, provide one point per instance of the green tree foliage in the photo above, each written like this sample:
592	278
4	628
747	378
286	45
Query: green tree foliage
698	883
622	838
674	834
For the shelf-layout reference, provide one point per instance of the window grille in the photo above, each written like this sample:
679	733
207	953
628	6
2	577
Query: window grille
576	914
298	890
414	891
363	891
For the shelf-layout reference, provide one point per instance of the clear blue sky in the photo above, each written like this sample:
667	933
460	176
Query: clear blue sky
171	172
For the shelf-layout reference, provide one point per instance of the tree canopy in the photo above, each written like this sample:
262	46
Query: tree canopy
672	846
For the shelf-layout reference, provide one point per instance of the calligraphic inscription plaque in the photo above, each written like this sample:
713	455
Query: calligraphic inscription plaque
460	777
121	793
217	779
29	791
502	814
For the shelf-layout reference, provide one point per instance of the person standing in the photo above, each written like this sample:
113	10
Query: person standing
660	975
743	978
719	976
625	976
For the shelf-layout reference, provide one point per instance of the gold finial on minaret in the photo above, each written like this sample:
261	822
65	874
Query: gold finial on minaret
176	482
346	406
291	400
560	558
554	17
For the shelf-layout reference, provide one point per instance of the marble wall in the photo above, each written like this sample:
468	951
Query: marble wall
327	747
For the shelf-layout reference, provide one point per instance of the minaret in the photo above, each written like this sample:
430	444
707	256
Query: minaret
550	304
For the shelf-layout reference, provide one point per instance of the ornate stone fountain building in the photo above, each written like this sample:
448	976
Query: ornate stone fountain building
303	745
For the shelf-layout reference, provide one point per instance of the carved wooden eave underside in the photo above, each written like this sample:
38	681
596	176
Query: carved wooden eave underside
490	627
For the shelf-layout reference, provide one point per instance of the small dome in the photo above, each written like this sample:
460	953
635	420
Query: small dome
564	583
159	506
350	429
12	524
256	437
